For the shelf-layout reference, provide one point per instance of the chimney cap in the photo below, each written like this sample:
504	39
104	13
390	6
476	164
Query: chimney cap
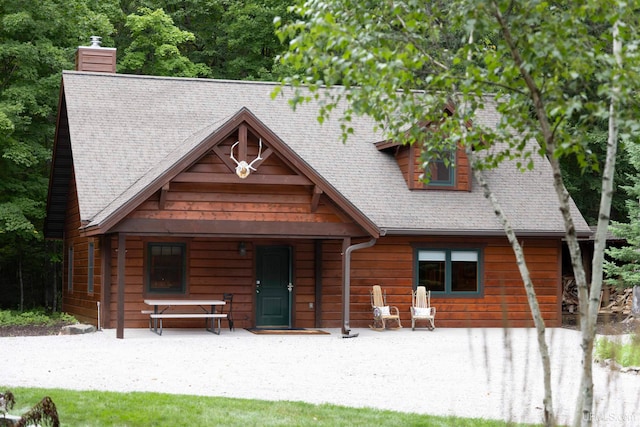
96	41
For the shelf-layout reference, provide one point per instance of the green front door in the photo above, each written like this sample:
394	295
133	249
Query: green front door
273	286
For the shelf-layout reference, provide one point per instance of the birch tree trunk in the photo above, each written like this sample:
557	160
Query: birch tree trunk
534	307
588	307
591	301
543	349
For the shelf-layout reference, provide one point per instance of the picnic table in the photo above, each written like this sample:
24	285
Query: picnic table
165	309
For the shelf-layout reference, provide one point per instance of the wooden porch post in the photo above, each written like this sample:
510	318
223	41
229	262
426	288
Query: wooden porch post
105	290
346	272
122	252
317	259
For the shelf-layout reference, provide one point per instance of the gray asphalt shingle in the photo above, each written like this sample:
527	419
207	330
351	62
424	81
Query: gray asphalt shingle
126	130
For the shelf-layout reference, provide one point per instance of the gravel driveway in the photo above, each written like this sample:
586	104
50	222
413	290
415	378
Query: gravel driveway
489	373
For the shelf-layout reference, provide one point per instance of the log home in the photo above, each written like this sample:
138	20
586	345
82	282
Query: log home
191	188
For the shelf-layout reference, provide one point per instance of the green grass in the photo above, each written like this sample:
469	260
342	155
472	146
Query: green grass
627	354
97	408
33	317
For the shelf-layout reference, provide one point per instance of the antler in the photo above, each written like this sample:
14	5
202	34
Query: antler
243	169
232	147
257	158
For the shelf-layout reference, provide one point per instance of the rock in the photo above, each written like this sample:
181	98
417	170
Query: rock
77	329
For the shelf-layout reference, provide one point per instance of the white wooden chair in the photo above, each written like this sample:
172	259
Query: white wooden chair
421	308
381	311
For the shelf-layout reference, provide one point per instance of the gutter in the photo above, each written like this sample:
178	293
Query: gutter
346	285
476	233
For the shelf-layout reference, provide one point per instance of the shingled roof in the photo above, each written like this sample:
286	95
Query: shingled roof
126	130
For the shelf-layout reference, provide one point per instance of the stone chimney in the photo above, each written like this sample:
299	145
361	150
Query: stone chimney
95	57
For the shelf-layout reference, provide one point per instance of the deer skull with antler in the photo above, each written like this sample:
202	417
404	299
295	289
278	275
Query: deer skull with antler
243	169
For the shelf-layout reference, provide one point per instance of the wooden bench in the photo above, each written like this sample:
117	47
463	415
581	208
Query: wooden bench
155	317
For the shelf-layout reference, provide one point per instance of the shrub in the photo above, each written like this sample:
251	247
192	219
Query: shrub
33	317
625	354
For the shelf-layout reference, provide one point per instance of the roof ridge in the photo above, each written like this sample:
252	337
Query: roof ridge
170	78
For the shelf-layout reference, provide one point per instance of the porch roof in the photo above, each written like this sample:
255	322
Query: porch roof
126	130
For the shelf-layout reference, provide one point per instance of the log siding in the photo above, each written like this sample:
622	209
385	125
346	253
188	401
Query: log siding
209	212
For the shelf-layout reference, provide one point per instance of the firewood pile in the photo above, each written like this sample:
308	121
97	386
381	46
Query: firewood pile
613	300
620	301
569	295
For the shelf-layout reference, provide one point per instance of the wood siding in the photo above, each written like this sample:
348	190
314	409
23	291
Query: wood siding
215	266
79	301
410	163
208	193
390	263
210	190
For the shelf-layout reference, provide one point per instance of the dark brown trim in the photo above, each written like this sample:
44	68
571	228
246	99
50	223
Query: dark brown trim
205	228
234	179
559	288
122	255
411	168
178	240
105	290
265	155
242	147
163	195
315	200
225	159
317	260
384	145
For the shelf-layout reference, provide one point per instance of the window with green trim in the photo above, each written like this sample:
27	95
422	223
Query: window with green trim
450	271
442	170
70	268
90	267
166	268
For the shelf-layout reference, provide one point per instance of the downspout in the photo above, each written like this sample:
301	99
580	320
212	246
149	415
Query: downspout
346	284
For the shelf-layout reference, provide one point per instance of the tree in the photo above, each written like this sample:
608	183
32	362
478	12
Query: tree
37	40
542	81
624	269
154	49
584	184
234	39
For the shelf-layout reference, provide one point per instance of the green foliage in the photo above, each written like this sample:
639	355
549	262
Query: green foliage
37	41
623	269
33	317
246	43
554	89
98	408
154	49
231	39
625	354
585	183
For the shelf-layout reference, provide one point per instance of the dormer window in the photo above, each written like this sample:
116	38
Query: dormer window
442	170
454	174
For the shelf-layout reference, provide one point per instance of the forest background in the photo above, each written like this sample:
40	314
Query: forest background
222	39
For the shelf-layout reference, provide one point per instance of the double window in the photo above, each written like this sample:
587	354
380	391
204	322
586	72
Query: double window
450	271
166	268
